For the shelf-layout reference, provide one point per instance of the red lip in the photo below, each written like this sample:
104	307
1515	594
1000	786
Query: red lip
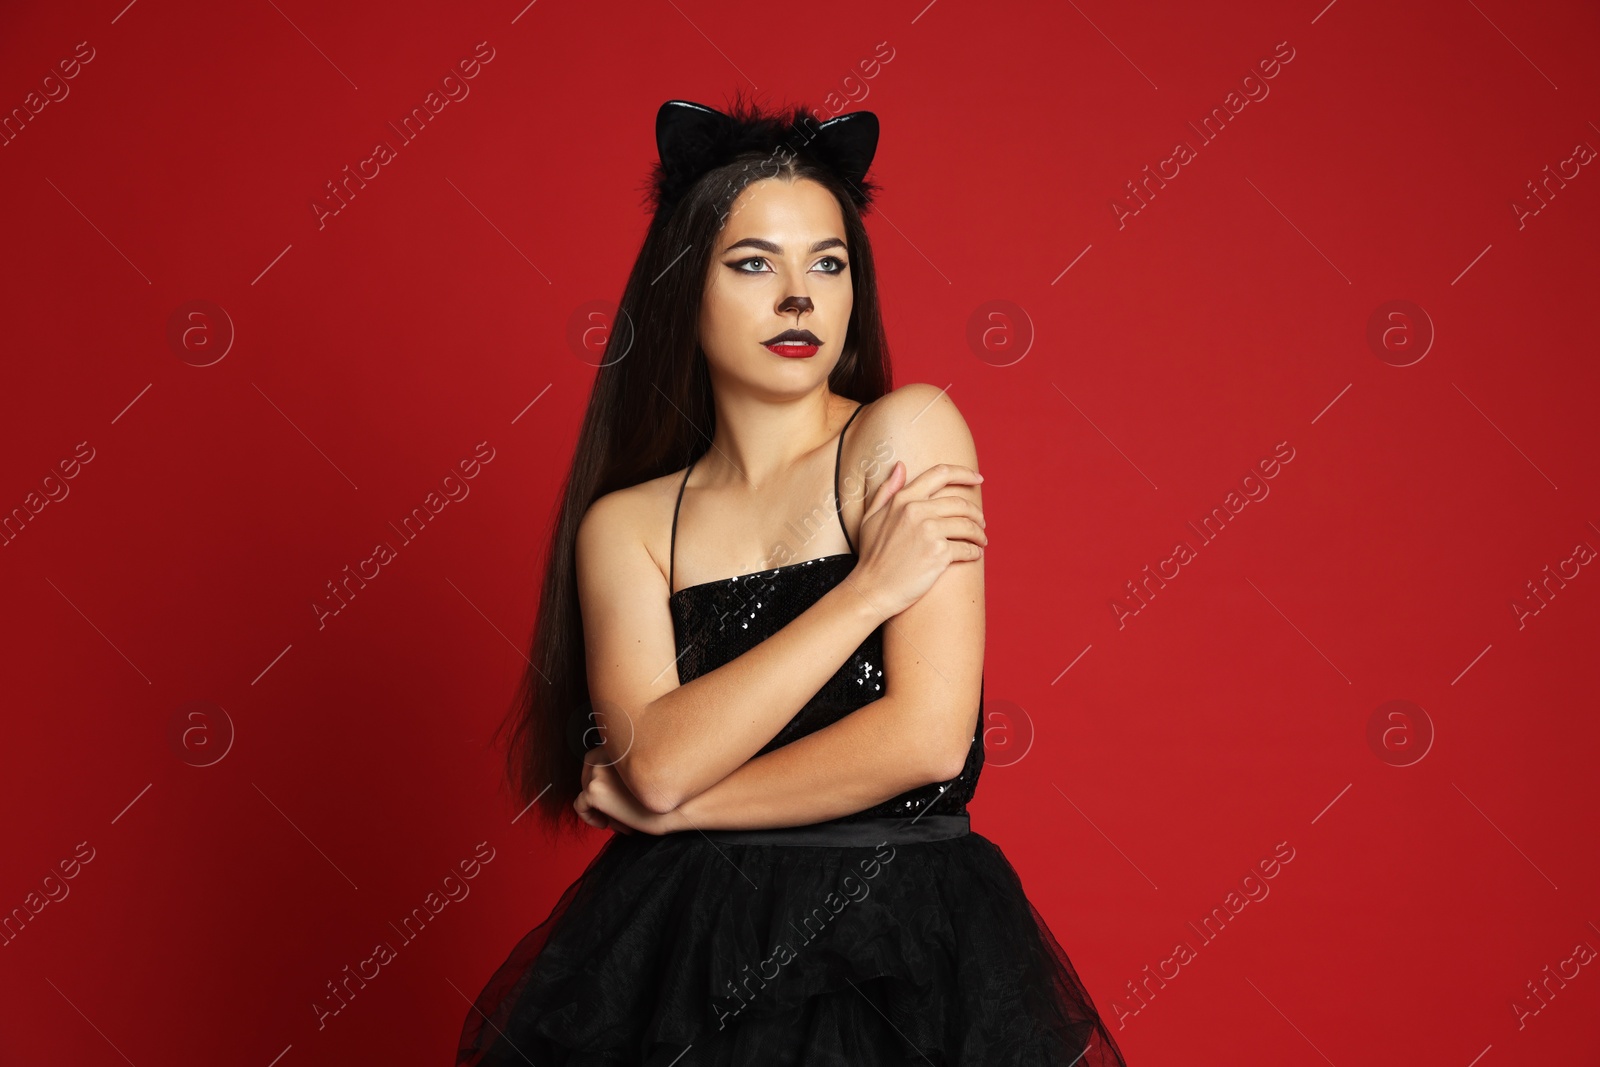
793	351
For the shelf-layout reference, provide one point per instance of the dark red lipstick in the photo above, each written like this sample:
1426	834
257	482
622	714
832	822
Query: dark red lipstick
793	344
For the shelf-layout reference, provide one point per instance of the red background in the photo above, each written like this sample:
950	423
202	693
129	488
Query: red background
1120	400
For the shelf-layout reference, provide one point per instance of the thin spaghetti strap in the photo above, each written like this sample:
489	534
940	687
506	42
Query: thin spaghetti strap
838	504
672	551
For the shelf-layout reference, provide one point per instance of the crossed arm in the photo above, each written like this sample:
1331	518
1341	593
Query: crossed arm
689	749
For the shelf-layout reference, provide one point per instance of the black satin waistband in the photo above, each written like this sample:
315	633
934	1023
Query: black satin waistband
862	833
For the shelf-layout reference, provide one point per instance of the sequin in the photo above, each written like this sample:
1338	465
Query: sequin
761	604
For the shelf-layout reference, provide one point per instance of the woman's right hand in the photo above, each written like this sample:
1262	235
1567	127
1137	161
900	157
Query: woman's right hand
909	535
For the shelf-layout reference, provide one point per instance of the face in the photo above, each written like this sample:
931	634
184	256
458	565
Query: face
780	263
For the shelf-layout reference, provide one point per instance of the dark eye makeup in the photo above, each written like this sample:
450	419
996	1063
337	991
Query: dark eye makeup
738	265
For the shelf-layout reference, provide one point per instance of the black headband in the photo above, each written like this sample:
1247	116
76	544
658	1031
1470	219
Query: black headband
692	139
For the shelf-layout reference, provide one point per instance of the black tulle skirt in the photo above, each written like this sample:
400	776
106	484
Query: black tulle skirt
696	949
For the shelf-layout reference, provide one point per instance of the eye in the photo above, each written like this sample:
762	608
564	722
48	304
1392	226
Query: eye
739	265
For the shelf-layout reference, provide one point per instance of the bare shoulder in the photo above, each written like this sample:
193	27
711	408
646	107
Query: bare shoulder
620	529
919	424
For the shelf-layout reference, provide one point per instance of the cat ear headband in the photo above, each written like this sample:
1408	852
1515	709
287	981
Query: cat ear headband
692	139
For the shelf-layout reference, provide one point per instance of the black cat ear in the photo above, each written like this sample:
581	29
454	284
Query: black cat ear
692	139
685	131
851	140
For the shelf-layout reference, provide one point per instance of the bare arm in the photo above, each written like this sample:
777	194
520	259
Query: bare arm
920	730
670	741
856	763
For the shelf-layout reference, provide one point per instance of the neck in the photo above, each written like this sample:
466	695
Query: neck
759	440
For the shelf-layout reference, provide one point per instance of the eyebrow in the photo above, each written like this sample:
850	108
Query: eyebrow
768	246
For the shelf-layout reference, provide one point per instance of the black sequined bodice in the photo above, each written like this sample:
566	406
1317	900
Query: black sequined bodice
716	622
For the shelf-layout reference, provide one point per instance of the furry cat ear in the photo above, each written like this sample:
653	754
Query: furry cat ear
692	139
851	141
686	133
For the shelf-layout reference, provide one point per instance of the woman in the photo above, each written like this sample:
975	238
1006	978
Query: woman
786	754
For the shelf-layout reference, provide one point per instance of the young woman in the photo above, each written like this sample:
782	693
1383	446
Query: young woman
759	660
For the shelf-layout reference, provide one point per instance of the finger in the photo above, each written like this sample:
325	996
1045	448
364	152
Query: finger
940	475
587	811
951	504
887	490
960	528
963	552
593	818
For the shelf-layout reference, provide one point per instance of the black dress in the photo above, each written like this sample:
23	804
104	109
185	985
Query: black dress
894	935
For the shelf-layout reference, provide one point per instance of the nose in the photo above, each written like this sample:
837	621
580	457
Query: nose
795	303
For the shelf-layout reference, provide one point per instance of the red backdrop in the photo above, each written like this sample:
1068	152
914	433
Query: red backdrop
1274	326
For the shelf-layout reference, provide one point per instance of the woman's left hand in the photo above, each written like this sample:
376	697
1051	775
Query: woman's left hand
607	802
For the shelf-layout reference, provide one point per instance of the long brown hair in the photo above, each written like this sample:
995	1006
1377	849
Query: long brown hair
650	413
